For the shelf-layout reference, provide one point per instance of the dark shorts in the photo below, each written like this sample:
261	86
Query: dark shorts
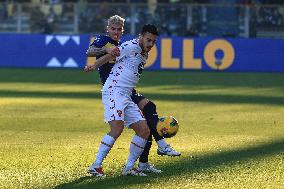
136	97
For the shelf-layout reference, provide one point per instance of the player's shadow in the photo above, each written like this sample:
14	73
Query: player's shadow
194	97
51	94
186	165
212	79
192	82
183	79
219	98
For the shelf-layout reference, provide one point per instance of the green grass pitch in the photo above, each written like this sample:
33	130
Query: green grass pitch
231	130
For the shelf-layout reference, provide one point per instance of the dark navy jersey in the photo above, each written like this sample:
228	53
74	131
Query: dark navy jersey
104	41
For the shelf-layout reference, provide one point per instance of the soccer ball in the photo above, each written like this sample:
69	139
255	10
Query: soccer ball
167	126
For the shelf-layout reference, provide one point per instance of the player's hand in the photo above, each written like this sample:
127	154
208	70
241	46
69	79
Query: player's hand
113	51
89	68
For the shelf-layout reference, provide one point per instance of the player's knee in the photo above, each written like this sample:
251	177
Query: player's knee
116	131
150	106
150	109
142	103
142	130
145	131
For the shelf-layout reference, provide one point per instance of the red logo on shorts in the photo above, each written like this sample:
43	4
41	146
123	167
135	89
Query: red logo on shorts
119	112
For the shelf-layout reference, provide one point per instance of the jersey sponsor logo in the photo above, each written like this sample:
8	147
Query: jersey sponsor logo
218	54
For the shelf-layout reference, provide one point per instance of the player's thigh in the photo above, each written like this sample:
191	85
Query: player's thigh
132	114
114	106
139	99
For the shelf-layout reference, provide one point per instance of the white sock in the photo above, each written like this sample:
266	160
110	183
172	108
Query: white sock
162	143
136	148
105	146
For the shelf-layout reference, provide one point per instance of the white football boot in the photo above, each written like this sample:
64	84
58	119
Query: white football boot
167	150
97	172
148	168
133	172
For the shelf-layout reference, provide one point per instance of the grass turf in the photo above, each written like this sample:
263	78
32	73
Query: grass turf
231	130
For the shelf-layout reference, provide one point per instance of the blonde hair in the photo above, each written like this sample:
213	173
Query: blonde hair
115	19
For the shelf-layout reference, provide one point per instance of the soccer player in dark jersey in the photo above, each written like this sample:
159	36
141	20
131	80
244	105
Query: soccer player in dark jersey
100	48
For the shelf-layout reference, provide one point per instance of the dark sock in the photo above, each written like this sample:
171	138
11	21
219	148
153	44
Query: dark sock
150	114
144	156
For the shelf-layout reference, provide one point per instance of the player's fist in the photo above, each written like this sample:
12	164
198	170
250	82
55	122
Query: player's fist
88	68
113	51
116	51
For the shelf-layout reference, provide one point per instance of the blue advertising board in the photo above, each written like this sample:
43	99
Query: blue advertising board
170	53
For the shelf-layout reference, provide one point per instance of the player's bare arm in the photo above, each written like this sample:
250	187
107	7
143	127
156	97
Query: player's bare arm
95	51
99	62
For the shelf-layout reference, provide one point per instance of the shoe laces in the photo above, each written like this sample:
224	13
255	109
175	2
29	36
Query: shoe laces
168	148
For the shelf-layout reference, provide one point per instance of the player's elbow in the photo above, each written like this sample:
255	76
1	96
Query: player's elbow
89	53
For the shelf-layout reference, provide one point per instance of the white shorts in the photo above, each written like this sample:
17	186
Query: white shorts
119	106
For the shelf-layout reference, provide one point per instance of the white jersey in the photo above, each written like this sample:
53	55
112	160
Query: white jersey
128	67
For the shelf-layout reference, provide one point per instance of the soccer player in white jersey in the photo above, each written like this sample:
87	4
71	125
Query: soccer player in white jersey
119	109
100	48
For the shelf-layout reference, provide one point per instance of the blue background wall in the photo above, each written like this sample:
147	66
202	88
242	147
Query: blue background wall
256	55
